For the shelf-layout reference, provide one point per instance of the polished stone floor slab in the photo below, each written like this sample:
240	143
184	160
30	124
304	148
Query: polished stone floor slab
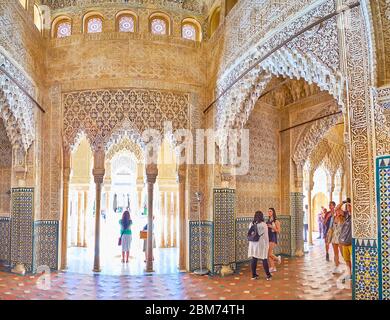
309	277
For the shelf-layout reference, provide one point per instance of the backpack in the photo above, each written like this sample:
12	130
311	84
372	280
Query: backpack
346	233
253	233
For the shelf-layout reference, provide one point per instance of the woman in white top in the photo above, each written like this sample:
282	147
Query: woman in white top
259	249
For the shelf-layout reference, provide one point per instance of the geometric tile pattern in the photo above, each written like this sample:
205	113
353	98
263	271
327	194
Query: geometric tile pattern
224	227
284	237
46	244
5	239
242	227
365	269
22	227
383	205
207	245
296	207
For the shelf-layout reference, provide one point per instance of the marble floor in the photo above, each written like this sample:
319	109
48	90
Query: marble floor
308	277
80	260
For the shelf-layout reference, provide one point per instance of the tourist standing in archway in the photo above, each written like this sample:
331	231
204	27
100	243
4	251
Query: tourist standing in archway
126	237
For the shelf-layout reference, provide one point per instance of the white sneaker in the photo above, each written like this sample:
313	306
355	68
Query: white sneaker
272	270
279	259
336	270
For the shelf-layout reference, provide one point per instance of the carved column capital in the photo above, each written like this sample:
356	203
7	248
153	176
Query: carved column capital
151	173
99	166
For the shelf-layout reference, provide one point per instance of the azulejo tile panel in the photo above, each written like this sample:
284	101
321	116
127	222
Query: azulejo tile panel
365	269
5	238
224	227
284	238
383	205
22	227
46	244
296	207
206	228
242	243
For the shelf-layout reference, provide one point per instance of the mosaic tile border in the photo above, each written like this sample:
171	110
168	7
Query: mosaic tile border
5	240
284	238
365	266
46	244
22	227
284	241
207	245
224	228
241	239
383	205
296	208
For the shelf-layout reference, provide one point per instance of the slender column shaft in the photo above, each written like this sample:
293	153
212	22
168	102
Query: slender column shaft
85	218
151	172
174	217
169	219
96	263
65	208
162	210
182	218
98	173
310	209
79	213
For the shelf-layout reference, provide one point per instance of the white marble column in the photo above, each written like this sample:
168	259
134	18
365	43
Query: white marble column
98	174
151	175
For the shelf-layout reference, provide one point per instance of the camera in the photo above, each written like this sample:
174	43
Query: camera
347	201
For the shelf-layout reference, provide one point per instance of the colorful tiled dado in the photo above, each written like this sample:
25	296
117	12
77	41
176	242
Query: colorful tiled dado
224	228
206	228
5	238
383	205
284	240
46	244
365	269
296	207
22	227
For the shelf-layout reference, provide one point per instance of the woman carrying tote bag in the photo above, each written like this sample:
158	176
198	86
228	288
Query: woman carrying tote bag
258	245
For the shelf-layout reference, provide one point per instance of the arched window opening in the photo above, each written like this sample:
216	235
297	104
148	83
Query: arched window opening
215	20
159	24
191	30
93	23
126	22
38	18
62	28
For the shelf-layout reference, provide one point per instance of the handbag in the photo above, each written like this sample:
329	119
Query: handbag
120	239
143	234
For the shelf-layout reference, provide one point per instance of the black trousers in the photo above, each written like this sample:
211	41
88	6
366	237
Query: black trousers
254	266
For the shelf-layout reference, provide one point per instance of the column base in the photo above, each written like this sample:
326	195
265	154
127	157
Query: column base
299	253
149	271
19	269
201	272
97	270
